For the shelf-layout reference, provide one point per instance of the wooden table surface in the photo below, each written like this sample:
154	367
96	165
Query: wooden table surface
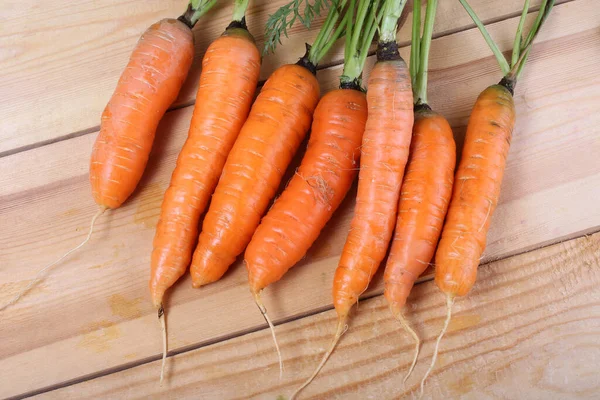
529	329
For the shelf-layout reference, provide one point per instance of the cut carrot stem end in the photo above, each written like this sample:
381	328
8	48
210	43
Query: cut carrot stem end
341	329
449	303
263	311
38	276
415	337
163	331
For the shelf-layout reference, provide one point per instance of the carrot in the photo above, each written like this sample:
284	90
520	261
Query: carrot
230	71
479	175
360	34
427	185
149	84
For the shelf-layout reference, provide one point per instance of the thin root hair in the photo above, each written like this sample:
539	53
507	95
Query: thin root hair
415	337
38	276
163	330
342	327
449	302
263	311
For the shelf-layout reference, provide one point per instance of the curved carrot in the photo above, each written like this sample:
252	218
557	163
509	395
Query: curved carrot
476	191
474	197
149	84
384	154
424	198
277	124
230	71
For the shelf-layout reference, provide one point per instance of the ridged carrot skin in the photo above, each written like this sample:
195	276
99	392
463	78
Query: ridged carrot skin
424	199
311	197
384	153
148	86
476	191
230	71
277	124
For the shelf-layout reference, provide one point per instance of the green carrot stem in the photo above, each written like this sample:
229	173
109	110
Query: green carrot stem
200	7
348	42
328	34
239	10
517	68
416	41
364	51
499	56
420	92
339	32
391	11
519	35
543	13
360	34
522	64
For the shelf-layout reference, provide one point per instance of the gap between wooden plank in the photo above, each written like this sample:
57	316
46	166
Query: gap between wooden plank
318	310
402	44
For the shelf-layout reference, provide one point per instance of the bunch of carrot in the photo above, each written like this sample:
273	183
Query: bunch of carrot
238	150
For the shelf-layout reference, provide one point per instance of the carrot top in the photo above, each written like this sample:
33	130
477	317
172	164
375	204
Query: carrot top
360	31
285	17
329	33
522	44
389	16
419	51
239	10
196	9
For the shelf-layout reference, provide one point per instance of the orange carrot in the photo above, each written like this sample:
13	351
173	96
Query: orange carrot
230	70
384	152
427	185
149	84
385	149
424	199
479	175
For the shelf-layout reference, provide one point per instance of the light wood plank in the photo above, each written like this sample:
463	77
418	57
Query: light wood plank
60	62
44	214
528	329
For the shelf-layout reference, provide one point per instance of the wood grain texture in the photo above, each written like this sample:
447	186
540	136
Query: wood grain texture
97	305
528	328
60	61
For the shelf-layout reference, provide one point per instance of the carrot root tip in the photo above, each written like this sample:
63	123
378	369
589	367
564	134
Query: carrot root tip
342	327
449	303
263	311
38	276
408	329
163	329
